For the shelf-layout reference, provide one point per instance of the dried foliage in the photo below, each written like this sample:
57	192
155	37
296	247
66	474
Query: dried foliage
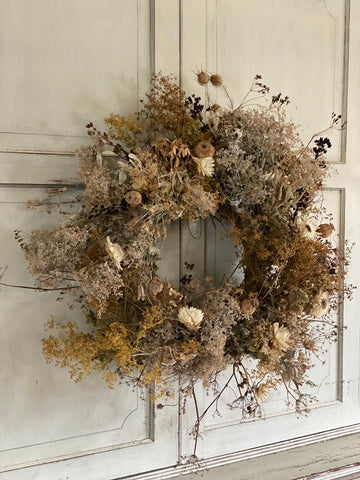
176	159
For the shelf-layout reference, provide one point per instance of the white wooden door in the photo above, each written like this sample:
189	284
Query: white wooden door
67	62
64	63
301	49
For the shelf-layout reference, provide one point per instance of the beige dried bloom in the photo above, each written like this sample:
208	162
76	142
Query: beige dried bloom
261	392
282	337
114	251
249	304
155	286
191	317
306	227
178	149
320	305
205	166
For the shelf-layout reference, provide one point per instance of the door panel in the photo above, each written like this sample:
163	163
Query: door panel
63	64
300	49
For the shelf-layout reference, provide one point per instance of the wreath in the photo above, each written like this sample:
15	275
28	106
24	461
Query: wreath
178	160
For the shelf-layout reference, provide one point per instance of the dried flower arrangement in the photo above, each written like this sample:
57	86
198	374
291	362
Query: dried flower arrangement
175	159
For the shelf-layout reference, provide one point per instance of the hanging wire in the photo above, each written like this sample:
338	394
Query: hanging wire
195	236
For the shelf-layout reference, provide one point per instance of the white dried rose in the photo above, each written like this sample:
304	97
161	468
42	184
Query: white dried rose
191	317
114	251
282	337
205	166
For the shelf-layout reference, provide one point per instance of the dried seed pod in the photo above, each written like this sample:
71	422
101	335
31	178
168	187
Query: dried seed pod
247	306
155	286
133	198
216	80
204	149
325	230
203	78
215	108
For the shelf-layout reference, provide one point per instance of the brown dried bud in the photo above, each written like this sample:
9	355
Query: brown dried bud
155	286
247	306
325	230
215	108
203	78
216	80
133	198
204	149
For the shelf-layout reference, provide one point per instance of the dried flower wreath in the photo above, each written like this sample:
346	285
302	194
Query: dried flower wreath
175	159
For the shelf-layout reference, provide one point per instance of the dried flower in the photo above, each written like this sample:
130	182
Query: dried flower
205	166
178	149
306	227
247	306
161	147
261	392
320	305
203	78
216	80
281	337
204	149
133	198
191	317
325	230
115	251
155	286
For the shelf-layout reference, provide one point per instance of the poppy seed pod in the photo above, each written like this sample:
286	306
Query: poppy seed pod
133	198
204	149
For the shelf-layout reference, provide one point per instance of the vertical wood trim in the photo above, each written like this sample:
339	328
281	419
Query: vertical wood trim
345	86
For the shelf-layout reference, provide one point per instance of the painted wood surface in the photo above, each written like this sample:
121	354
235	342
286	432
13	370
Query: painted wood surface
71	62
63	64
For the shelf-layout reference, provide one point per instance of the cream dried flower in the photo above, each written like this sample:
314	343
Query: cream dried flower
320	305
191	317
261	393
205	166
307	228
282	337
115	251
